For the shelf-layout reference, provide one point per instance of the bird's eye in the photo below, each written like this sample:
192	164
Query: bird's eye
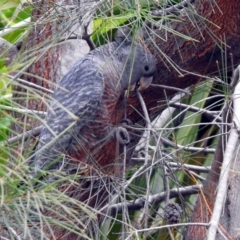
146	68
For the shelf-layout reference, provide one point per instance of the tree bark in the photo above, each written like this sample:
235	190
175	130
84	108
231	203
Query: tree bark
52	57
215	31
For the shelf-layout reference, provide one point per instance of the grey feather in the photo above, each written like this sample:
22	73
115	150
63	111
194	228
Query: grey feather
80	94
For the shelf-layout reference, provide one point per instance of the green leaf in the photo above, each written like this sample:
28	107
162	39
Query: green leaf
189	129
6	4
104	28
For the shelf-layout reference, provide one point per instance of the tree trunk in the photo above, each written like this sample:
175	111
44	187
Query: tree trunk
181	62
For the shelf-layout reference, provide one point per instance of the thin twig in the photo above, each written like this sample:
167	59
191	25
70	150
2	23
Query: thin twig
190	167
25	23
29	84
148	174
31	133
87	38
12	232
210	114
197	176
172	88
166	226
24	111
166	184
173	9
186	148
177	165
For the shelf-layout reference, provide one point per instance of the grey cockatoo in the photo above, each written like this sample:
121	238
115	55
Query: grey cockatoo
83	117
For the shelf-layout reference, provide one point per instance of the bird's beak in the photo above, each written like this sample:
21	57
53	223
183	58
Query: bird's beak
144	83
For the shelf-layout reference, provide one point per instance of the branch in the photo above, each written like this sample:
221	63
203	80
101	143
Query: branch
152	199
85	36
229	153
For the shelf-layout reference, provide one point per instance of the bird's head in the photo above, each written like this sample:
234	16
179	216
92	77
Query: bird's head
138	64
142	67
130	60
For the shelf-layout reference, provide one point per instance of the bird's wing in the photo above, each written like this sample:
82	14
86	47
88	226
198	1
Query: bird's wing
75	102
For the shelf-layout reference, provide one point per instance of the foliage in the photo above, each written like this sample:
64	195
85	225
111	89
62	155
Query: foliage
13	18
22	204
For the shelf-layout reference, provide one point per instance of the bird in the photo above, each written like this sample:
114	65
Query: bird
86	118
82	115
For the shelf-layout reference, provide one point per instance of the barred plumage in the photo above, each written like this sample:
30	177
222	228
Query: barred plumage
83	111
82	120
